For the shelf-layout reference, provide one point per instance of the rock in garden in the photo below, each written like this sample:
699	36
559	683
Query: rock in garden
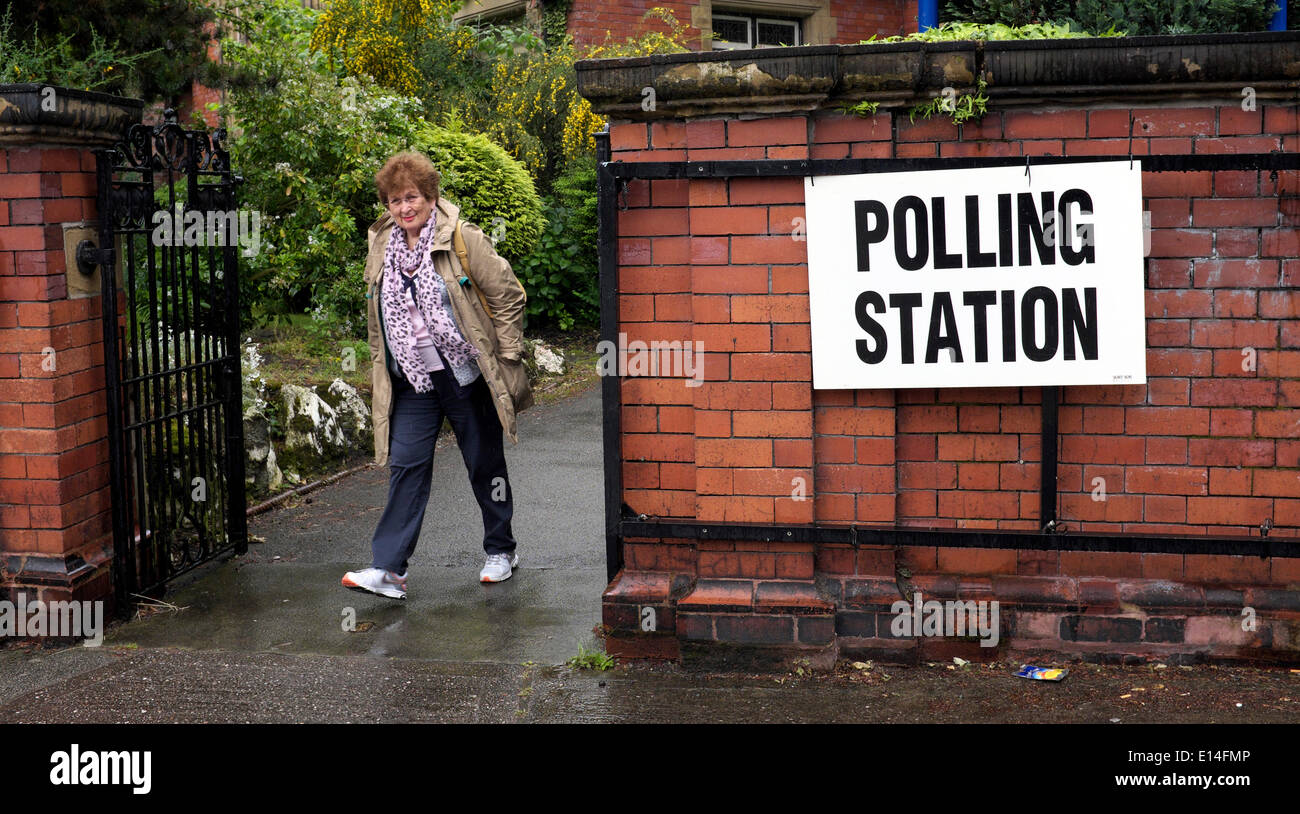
353	414
310	423
260	468
548	361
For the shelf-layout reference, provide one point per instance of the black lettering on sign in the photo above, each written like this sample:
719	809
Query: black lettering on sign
1030	222
1071	255
874	329
1030	226
1025	229
1068	325
1029	323
1004	229
1076	322
1008	326
907	262
980	301
905	303
975	258
868	234
942	259
942	309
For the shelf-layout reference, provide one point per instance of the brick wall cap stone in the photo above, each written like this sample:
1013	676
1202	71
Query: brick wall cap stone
639	586
773	81
80	117
719	595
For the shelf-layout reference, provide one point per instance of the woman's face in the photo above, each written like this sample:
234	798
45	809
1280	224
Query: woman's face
410	209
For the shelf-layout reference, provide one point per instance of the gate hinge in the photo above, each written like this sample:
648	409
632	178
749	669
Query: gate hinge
88	257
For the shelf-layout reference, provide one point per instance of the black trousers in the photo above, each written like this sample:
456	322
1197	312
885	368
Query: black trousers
416	420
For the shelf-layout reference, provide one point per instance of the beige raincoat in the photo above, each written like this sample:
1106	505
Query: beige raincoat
499	350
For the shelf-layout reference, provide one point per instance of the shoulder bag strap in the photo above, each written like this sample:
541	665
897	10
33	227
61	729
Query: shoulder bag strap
458	243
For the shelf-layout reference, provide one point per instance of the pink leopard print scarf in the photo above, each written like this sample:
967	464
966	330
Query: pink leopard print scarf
427	286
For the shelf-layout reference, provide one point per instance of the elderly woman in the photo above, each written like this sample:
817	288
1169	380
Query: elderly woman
439	349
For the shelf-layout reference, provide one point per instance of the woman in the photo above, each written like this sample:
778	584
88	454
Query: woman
438	353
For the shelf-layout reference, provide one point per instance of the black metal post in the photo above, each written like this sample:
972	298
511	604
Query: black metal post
610	389
123	579
1047	488
237	517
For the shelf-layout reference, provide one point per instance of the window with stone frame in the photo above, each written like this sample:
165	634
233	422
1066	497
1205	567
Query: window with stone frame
497	13
739	29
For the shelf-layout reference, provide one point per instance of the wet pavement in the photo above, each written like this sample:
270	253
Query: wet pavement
174	685
273	637
277	623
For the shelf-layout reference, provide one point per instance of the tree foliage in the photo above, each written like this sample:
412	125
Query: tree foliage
308	144
506	83
169	37
32	58
491	188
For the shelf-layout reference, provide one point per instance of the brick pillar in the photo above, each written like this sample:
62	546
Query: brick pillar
55	527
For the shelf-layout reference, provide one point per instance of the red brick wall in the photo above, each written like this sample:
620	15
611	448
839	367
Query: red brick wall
54	493
198	96
856	21
1205	447
589	20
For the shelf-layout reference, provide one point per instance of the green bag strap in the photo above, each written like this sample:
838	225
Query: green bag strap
458	243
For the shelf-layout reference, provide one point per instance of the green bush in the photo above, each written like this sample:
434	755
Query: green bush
575	190
492	189
1134	17
562	274
561	280
307	145
991	32
501	81
1006	12
1179	16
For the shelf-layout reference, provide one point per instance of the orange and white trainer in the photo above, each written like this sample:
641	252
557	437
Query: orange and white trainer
376	581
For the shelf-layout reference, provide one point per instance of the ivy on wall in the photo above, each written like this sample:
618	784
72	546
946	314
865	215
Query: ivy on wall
555	20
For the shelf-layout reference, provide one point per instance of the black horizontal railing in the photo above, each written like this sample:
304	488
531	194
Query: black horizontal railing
882	535
776	168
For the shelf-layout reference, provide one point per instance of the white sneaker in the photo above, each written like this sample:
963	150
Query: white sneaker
498	567
376	581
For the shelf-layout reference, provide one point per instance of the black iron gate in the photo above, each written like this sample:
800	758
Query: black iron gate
168	220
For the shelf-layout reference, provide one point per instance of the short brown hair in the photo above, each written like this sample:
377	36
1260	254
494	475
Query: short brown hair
406	169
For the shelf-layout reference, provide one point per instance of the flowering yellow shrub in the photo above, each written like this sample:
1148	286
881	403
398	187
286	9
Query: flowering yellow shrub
646	43
520	94
535	107
580	129
582	124
377	38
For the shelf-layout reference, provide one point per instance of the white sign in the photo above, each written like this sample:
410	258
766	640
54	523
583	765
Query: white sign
977	277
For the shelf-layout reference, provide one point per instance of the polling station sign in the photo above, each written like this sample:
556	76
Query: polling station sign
984	277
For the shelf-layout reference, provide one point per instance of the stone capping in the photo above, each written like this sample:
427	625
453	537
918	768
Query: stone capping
80	118
772	80
805	78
